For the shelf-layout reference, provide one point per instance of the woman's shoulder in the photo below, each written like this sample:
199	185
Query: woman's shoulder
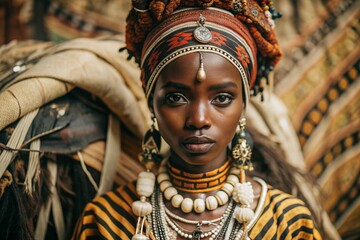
109	215
122	196
281	201
284	216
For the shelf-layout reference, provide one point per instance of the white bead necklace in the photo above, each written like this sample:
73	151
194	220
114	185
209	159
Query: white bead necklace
213	233
198	205
162	229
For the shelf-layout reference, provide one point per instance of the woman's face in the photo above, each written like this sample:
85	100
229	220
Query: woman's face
198	119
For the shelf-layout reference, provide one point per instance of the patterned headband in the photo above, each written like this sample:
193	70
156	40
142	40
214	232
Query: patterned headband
199	30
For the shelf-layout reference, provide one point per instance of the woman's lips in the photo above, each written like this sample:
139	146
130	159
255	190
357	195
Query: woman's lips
198	147
198	144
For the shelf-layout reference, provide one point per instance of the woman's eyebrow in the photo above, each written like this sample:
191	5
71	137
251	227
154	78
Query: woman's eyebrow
222	85
176	85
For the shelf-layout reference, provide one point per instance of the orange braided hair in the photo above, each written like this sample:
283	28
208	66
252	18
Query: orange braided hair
139	24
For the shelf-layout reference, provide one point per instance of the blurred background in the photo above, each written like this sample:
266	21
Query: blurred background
318	78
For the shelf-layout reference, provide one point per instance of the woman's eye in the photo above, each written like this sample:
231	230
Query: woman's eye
175	98
222	99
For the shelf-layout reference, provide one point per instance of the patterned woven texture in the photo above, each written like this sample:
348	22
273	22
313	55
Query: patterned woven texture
318	80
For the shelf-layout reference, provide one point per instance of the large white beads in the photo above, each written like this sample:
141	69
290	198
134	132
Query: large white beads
170	192
244	215
177	200
139	237
211	203
221	197
199	205
164	185
228	188
187	205
243	193
145	184
141	208
232	179
144	188
162	177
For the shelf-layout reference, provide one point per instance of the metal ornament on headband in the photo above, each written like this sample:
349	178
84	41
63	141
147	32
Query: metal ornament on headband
201	33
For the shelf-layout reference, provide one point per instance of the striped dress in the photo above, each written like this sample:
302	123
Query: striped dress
110	217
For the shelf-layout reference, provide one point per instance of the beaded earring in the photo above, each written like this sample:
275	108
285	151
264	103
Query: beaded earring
146	180
241	150
151	147
243	193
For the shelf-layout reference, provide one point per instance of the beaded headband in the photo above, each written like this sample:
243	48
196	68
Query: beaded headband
199	30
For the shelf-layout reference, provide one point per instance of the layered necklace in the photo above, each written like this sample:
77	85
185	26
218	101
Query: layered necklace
227	227
164	228
223	179
232	188
164	223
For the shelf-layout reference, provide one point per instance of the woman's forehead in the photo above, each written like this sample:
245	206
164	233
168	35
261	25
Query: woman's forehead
185	68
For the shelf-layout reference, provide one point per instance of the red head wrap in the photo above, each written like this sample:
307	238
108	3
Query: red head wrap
241	31
199	30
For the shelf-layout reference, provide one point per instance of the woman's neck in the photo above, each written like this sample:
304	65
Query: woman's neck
179	163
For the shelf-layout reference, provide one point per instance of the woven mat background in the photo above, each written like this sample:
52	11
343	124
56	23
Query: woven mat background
318	79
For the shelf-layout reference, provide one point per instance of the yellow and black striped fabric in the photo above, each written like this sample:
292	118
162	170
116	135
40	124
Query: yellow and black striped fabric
110	217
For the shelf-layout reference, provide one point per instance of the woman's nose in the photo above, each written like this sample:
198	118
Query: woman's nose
198	116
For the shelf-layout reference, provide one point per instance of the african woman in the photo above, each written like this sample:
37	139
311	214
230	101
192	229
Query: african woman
199	66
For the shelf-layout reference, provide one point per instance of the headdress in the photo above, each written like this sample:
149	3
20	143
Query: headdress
198	30
239	30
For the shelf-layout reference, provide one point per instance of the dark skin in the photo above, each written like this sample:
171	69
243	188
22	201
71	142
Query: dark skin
198	119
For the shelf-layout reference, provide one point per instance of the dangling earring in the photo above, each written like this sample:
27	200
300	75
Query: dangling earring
151	146
243	193
241	150
146	180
